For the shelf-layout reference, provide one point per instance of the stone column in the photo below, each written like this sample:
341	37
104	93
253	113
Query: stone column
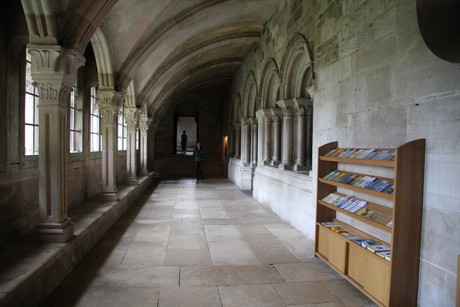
131	117
254	142
287	107
54	70
309	134
276	120
267	140
108	108
301	141
260	137
303	134
246	141
143	127
237	140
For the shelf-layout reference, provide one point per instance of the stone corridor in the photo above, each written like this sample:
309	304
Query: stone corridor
202	244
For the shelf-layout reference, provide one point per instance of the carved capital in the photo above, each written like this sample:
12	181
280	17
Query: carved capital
54	64
53	94
131	116
143	123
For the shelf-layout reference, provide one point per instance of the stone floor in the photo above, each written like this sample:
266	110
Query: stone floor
203	244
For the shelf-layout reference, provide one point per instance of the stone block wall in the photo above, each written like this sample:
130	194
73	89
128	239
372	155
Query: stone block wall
377	85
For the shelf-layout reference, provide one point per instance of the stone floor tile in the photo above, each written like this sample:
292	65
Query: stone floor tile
187	229
232	253
188	257
148	255
221	232
347	294
130	297
229	275
189	296
311	271
272	255
305	292
332	304
250	295
187	242
262	240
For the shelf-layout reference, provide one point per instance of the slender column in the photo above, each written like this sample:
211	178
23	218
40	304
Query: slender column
108	107
237	140
276	120
309	135
260	137
301	144
54	70
267	140
131	116
246	141
143	127
286	157
254	142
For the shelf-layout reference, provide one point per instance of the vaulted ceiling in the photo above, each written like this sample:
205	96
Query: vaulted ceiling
166	47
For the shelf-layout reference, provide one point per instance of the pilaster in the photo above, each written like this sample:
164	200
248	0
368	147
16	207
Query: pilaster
108	107
143	127
254	141
54	70
131	117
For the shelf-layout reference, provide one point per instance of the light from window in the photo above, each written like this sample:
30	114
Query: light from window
137	138
95	124
122	131
30	113
75	121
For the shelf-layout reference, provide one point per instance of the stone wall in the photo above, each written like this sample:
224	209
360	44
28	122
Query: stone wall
377	85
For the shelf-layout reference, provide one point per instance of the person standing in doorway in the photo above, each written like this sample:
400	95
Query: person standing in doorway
183	142
197	154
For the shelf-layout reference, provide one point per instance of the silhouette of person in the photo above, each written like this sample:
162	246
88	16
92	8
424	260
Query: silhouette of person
183	142
197	154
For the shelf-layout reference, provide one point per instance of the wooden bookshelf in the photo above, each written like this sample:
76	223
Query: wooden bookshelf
388	282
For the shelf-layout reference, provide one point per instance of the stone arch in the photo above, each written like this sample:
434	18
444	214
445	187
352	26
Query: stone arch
103	59
249	104
270	87
297	69
130	97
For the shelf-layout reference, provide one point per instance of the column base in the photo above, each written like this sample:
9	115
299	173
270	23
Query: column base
285	166
298	167
131	180
267	162
144	173
55	232
275	163
108	196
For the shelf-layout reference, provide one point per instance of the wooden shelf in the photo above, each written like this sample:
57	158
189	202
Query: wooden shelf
383	163
387	283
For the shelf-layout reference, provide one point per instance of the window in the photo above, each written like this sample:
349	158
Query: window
30	113
137	138
75	121
95	122
122	130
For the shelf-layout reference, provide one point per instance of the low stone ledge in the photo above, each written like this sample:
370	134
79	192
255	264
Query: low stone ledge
30	270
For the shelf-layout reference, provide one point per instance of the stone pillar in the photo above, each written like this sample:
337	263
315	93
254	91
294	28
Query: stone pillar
260	137
301	140
309	134
131	117
237	140
143	127
254	142
287	154
267	140
54	70
108	108
246	141
276	120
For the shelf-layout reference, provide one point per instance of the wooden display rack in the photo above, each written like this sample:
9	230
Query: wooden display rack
392	282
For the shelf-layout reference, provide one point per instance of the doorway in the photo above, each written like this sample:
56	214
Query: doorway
187	124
